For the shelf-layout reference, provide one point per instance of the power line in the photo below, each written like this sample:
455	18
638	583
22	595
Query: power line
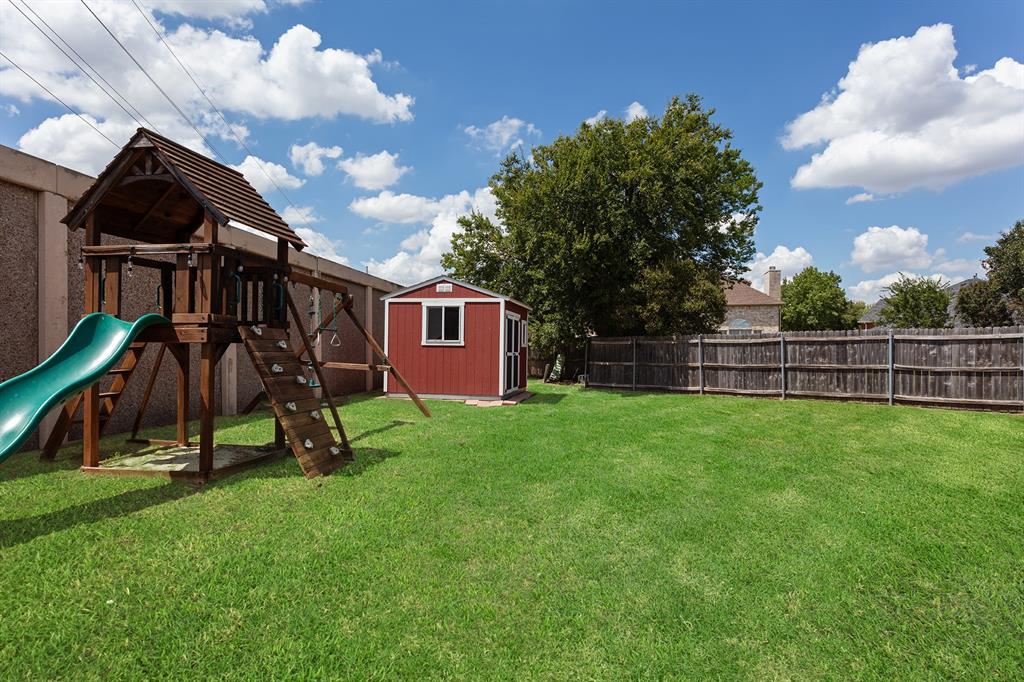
153	81
48	92
72	60
227	125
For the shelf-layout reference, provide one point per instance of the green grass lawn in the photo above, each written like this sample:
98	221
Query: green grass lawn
582	534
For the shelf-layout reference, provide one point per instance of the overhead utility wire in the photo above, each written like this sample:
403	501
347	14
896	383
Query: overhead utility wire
48	92
72	60
227	125
155	84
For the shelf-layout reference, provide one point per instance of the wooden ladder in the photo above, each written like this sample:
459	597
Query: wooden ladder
109	399
297	409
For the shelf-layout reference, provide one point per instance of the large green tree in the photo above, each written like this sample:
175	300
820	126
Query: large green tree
1005	262
814	300
621	228
980	304
915	302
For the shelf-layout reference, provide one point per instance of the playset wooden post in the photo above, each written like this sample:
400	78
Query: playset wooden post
171	202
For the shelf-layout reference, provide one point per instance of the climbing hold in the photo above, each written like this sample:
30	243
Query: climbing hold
276	368
282	344
256	330
291	407
335	451
300	380
308	443
315	414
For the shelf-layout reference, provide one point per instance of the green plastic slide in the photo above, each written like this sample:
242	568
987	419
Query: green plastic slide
96	344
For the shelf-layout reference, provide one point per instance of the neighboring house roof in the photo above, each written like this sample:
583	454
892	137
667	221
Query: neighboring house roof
222	190
873	313
742	293
445	278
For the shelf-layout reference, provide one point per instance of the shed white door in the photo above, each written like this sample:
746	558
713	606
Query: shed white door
512	346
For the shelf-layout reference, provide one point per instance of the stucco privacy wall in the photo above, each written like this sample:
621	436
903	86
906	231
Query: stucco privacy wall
19	333
41	297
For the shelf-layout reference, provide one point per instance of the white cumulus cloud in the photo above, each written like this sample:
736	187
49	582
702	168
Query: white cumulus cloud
388	207
597	118
503	135
885	248
294	78
263	175
903	117
789	261
635	111
419	254
322	245
974	237
300	215
375	171
898	248
309	157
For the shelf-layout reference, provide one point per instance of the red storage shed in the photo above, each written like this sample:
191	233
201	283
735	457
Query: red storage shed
456	340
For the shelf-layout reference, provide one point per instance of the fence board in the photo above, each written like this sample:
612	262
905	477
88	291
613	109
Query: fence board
978	368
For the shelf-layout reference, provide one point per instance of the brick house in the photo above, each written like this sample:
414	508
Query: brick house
749	311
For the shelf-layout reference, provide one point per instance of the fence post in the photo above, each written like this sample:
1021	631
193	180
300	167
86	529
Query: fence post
892	361
586	362
700	361
634	363
782	361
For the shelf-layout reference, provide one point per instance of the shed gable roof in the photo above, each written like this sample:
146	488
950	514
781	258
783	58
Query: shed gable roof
446	278
222	190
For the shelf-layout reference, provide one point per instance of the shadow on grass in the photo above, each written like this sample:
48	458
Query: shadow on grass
366	458
18	531
544	399
394	424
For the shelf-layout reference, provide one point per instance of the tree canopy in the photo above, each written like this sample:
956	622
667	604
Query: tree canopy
1005	262
814	300
621	228
916	302
980	304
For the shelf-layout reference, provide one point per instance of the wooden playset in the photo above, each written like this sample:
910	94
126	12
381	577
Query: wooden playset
166	203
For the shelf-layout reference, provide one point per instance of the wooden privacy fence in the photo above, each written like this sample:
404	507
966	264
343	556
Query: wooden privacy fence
979	368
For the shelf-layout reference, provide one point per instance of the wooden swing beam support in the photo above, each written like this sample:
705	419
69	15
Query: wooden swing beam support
346	305
359	366
384	358
319	372
137	424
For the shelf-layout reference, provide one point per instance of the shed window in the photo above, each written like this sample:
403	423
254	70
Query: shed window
443	324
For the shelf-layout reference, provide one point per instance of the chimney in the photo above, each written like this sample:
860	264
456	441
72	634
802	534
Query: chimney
774	282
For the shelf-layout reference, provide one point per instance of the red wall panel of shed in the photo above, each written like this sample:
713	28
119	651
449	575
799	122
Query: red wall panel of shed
430	291
470	369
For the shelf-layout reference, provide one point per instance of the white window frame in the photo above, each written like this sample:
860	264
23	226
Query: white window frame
442	303
524	335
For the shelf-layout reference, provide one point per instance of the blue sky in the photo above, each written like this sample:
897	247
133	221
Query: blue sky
928	125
